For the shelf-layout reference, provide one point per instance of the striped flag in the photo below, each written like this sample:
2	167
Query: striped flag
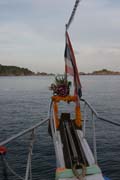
71	67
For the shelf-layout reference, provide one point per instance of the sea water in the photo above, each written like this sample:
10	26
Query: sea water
24	102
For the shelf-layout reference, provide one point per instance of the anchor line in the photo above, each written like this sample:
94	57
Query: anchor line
10	169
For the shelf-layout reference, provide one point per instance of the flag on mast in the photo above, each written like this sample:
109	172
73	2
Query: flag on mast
71	67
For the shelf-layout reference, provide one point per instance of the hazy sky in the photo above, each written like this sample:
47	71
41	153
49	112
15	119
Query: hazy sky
32	34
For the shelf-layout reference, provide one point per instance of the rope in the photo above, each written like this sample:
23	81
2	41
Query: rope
5	175
72	14
75	172
10	169
29	160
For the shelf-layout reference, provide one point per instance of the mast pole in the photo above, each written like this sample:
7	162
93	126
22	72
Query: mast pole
65	49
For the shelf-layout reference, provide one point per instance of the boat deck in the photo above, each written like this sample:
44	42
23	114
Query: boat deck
72	148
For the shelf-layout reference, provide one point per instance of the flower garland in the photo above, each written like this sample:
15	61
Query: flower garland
61	87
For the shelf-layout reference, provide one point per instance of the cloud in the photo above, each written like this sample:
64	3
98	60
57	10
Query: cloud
92	58
96	22
32	33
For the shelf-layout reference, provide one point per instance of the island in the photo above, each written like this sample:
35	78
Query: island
101	72
18	71
14	71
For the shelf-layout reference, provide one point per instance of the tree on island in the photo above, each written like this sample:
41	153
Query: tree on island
14	71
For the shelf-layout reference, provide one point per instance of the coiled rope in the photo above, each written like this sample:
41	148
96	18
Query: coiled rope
72	14
77	174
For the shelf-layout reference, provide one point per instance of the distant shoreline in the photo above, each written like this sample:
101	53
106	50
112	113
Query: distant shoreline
90	75
102	72
18	71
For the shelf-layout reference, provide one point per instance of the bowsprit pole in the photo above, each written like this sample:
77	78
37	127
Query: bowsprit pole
65	52
72	14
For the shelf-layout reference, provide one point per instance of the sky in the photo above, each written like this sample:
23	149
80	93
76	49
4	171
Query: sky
32	34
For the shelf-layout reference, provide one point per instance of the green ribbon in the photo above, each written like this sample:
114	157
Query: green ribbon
68	173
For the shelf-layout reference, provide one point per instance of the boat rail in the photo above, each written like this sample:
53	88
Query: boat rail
28	173
23	132
98	117
31	130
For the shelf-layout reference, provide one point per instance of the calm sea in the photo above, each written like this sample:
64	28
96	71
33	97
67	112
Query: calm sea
24	102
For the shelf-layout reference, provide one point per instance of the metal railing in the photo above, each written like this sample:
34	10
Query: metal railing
97	115
23	132
31	130
94	115
28	172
